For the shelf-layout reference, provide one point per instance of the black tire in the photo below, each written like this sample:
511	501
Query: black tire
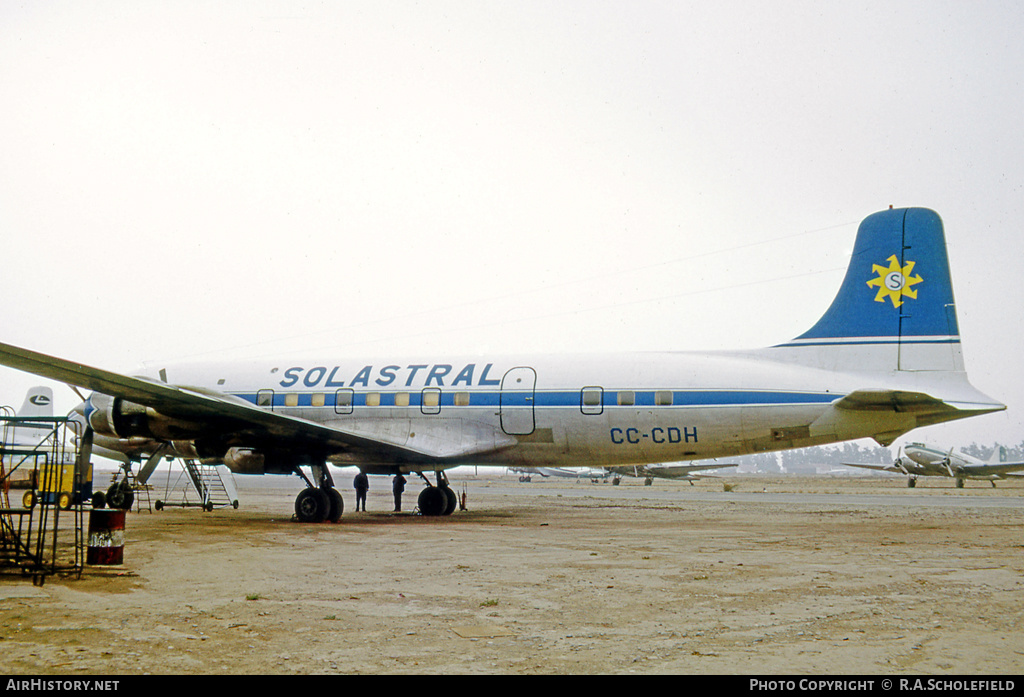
120	495
337	505
432	501
312	506
99	500
452	501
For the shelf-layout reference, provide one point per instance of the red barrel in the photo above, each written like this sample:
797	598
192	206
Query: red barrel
106	536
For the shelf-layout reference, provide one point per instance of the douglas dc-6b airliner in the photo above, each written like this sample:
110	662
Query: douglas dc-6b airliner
885	358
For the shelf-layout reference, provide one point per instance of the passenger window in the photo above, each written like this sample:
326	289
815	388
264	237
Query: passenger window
592	400
626	398
291	400
318	399
430	401
663	398
462	399
373	399
401	399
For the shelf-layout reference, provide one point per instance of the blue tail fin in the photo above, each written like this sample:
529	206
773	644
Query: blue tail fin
895	309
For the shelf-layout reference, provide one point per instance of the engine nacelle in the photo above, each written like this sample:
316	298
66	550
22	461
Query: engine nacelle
253	461
245	461
113	416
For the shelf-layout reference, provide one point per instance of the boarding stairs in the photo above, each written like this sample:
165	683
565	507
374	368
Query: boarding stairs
201	486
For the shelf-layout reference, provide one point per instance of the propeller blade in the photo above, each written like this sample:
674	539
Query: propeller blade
147	470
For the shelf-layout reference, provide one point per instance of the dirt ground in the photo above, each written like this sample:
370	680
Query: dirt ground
839	576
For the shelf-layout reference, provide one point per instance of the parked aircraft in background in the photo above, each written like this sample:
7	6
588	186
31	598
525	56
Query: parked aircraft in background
686	473
885	358
30	439
591	473
32	434
921	460
38	403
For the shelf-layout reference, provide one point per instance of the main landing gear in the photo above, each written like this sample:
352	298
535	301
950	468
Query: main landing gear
318	502
437	500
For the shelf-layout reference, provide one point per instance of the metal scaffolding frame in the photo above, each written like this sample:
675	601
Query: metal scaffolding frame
44	534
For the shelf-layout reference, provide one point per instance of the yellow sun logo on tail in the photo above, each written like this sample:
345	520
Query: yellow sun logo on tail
895	281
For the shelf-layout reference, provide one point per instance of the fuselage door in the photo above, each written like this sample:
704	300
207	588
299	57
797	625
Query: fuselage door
265	399
517	387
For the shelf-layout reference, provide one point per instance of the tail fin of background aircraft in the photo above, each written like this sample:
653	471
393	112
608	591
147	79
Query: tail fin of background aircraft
895	309
38	402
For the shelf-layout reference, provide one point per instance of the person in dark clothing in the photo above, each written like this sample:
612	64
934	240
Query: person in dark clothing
397	488
362	485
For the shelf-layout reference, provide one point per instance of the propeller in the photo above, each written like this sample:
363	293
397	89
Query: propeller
947	462
76	391
85	449
147	470
898	462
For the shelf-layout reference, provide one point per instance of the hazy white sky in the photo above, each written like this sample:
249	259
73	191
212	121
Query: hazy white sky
227	179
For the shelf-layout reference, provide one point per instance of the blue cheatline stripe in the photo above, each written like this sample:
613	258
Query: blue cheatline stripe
873	342
566	398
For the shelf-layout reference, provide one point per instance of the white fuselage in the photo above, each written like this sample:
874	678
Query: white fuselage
557	410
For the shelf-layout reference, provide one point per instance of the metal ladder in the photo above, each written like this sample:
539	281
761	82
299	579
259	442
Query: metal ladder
213	490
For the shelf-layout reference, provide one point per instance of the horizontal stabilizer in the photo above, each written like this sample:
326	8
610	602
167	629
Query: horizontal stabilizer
892	400
888	414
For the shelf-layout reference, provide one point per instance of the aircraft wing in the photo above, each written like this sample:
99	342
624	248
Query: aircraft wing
228	414
683	470
1003	468
666	471
880	468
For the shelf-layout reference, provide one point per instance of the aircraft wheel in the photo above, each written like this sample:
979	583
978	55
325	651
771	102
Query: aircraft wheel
337	505
312	506
432	501
959	483
911	483
99	500
451	502
119	495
